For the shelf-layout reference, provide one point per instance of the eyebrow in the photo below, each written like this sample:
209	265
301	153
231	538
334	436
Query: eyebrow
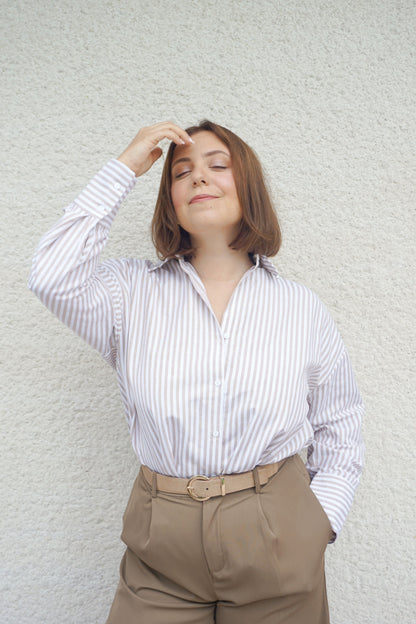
211	153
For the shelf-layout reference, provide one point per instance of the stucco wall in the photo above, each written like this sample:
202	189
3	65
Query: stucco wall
325	93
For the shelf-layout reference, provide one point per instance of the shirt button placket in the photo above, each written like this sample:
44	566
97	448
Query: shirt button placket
219	383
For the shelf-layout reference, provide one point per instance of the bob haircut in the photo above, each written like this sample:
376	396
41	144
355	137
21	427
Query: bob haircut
259	231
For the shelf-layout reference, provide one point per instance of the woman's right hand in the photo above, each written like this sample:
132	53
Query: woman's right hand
143	151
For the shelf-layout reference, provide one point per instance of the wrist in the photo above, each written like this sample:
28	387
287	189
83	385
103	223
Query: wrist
126	161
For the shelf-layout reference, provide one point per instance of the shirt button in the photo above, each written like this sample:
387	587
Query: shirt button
218	382
226	335
103	208
216	434
118	186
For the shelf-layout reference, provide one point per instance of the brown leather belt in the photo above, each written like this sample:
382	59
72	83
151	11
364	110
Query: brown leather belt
201	488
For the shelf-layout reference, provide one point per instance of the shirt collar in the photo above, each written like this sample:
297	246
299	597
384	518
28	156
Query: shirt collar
159	265
259	261
264	263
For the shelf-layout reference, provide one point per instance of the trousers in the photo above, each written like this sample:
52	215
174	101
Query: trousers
250	557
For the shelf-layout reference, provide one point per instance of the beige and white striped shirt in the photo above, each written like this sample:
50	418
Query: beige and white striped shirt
200	397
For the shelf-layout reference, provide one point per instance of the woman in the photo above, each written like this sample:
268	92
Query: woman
226	371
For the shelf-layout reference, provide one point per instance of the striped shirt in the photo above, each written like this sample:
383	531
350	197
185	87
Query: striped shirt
202	397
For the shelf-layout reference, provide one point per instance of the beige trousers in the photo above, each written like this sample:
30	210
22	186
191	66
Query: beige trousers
244	558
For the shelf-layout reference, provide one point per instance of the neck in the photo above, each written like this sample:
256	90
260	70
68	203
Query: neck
220	263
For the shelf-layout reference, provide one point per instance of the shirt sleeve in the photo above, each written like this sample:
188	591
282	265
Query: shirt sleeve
66	274
335	458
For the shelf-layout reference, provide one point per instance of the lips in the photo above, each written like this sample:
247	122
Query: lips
201	198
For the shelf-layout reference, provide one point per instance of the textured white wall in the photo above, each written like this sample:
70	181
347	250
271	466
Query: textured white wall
325	93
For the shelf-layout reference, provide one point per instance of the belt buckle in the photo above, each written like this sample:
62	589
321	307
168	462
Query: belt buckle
189	488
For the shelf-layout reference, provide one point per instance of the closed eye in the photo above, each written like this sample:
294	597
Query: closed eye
181	174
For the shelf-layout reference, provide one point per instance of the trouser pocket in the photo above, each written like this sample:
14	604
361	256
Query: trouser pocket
137	517
299	464
298	523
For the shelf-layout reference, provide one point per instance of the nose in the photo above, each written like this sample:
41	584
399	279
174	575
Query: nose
198	177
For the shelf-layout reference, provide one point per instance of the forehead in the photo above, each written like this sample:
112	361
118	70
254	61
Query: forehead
204	142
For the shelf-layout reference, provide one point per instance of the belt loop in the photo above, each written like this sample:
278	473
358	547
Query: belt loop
154	484
256	480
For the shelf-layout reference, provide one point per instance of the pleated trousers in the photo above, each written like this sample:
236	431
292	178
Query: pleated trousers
244	558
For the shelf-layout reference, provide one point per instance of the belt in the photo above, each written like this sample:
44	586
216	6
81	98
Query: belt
201	488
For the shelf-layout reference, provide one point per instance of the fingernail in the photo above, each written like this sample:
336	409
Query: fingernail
191	140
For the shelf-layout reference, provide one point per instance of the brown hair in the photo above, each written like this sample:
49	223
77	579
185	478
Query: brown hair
259	231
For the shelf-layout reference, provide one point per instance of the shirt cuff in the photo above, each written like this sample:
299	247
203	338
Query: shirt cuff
335	495
103	195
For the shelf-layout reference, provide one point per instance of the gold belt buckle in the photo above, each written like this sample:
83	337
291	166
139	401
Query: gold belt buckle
189	487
